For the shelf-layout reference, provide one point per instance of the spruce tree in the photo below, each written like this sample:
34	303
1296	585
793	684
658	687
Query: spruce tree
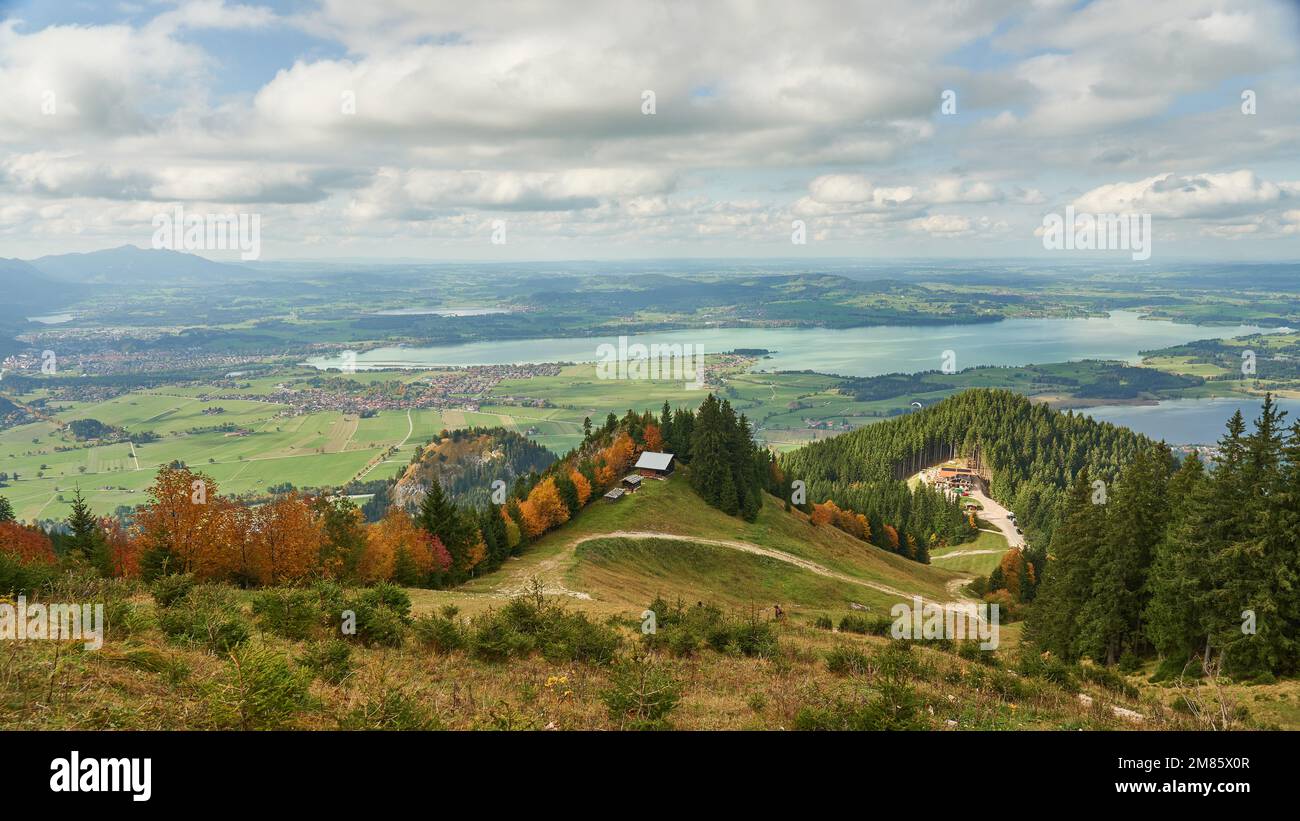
1180	577
1054	620
85	541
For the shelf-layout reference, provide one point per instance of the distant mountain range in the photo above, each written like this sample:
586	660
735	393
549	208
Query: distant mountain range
129	264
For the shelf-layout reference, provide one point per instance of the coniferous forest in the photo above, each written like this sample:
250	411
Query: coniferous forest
1031	453
1198	564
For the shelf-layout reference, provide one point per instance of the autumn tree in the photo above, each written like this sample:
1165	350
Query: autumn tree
26	544
121	553
285	537
582	485
384	539
188	527
654	440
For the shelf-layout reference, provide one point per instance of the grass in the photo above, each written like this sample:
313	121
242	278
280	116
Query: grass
143	681
633	571
980	564
672	508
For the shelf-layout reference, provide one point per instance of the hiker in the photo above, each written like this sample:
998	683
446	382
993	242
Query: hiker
780	614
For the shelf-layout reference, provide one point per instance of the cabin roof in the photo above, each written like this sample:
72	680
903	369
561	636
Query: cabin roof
654	460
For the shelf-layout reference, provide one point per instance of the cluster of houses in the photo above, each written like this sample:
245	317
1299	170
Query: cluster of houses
955	477
651	465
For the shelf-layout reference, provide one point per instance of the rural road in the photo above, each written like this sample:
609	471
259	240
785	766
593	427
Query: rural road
998	516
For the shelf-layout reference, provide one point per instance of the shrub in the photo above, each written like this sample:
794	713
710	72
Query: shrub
878	626
1108	678
330	660
206	616
440	633
122	618
1129	662
168	590
381	614
529	623
683	630
847	661
892	705
824	623
21	579
391	709
259	690
287	612
642	693
971	651
1049	669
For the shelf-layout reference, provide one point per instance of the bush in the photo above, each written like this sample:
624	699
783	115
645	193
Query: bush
847	661
971	651
530	622
287	612
392	709
1049	669
440	633
19	579
122	618
878	626
206	616
1108	678
1129	662
682	631
381	615
168	590
824	623
1176	667
892	705
259	690
642	693
330	660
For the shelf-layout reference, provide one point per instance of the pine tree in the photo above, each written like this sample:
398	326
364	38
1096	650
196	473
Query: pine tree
1054	620
1136	513
6	510
86	541
1180	572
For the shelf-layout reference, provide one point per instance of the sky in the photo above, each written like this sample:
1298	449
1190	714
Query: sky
421	129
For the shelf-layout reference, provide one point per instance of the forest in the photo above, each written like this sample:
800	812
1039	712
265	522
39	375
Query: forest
1031	452
1197	565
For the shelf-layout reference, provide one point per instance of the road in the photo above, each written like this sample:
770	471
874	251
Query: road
998	516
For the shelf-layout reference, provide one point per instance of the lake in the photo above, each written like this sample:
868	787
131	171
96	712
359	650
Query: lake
844	351
1187	421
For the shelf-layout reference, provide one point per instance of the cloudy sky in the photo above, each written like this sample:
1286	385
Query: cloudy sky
612	129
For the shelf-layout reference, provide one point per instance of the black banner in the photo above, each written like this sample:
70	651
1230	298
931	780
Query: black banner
141	772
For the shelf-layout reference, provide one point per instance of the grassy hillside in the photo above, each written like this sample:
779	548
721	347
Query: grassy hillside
588	556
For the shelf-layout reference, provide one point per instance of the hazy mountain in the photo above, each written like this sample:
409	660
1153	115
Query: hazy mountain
26	290
128	264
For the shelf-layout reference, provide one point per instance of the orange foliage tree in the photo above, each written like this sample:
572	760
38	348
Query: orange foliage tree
123	547
384	538
654	440
543	509
188	518
284	539
584	487
26	544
